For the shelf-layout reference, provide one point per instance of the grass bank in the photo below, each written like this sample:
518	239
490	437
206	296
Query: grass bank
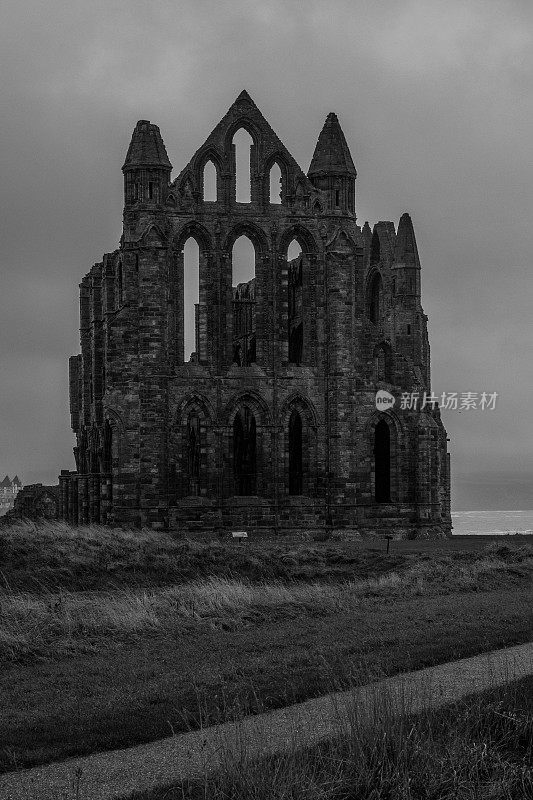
479	748
52	623
46	556
111	638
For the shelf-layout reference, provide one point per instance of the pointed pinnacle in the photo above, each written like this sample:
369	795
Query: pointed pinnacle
332	155
146	147
405	250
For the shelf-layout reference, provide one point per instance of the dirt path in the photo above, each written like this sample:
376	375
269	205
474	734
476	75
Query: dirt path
116	774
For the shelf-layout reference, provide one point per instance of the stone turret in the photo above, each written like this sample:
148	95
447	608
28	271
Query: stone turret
147	167
411	322
332	168
406	260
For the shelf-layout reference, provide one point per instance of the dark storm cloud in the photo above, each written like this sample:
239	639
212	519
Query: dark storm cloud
435	101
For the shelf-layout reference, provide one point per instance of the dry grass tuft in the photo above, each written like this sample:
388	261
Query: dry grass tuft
478	749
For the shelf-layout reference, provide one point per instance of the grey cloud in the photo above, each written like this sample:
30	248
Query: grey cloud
435	101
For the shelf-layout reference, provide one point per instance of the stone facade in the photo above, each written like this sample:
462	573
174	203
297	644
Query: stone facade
272	423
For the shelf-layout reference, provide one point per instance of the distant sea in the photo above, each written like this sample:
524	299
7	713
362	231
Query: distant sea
475	523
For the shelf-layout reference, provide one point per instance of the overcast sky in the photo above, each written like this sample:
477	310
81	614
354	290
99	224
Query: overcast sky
435	99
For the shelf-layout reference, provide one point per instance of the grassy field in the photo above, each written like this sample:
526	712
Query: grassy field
110	638
478	749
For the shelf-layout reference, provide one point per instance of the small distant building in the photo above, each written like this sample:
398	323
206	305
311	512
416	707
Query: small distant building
9	489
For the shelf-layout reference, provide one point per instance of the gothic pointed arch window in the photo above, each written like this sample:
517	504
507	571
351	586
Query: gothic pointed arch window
209	181
244	304
383	363
245	452
275	184
382	462
295	303
191	297
242	142
193	454
295	453
108	448
380	365
375	248
374	298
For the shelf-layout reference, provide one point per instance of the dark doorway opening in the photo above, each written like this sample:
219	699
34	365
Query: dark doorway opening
382	462
295	454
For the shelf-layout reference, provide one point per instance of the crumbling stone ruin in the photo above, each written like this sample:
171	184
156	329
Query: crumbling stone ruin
271	423
36	501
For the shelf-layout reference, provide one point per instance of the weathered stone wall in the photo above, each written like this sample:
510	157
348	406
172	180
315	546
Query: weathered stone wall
159	440
36	501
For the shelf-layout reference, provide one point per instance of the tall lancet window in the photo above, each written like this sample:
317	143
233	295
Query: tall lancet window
210	182
193	454
242	142
244	452
107	449
295	303
275	184
382	462
295	454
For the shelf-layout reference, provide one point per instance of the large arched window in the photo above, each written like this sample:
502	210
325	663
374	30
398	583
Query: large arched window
382	462
242	142
210	182
374	299
245	452
295	303
191	298
243	288
295	453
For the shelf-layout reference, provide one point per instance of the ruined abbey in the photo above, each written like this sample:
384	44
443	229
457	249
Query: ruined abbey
271	422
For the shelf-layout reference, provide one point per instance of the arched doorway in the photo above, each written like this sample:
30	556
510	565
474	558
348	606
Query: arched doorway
382	462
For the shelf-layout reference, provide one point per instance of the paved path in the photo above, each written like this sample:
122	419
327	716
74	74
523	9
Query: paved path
108	776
